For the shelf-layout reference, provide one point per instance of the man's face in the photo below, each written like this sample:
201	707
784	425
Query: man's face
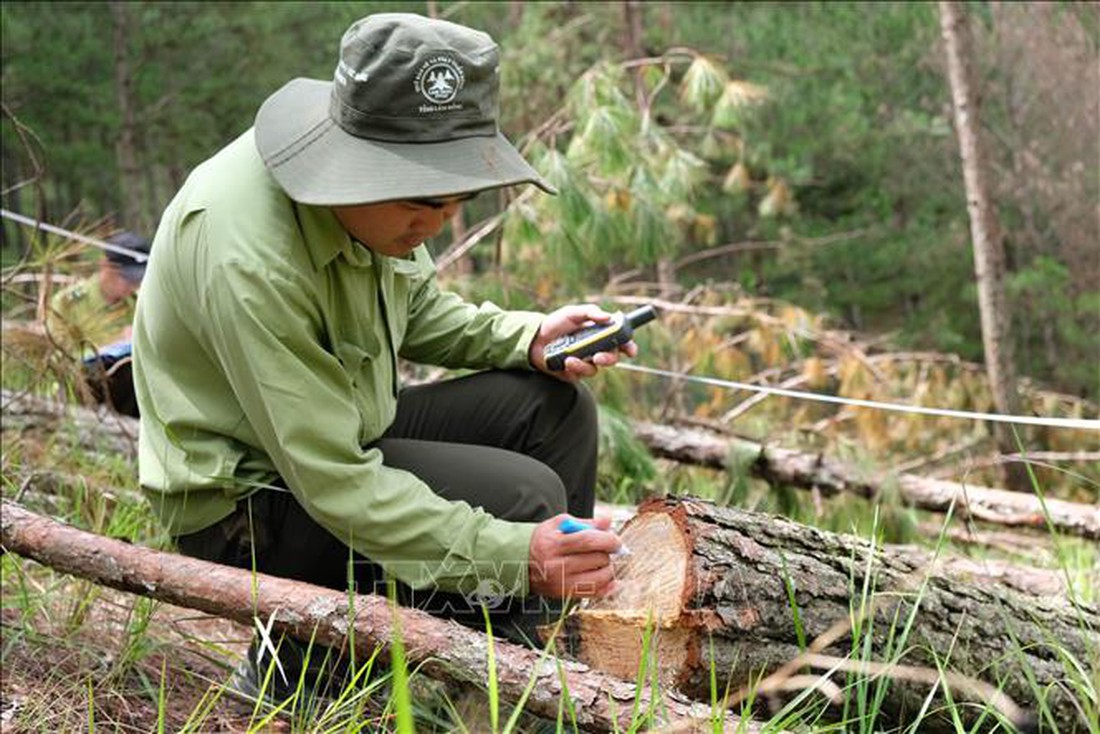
114	284
395	228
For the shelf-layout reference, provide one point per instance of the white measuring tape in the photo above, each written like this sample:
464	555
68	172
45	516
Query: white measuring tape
896	407
713	381
135	254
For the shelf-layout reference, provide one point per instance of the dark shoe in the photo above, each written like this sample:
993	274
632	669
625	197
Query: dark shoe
247	682
276	685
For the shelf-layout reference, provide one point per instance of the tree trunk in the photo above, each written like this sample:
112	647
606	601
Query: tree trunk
985	231
810	470
126	147
666	278
716	580
633	48
459	232
515	14
152	201
441	649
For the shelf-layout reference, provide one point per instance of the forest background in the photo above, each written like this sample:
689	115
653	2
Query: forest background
850	135
784	178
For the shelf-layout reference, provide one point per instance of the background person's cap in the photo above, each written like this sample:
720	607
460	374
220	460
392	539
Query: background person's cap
131	268
411	113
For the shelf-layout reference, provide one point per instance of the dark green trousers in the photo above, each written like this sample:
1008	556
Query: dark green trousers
521	445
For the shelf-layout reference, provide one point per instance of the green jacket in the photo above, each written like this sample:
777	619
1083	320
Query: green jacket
81	317
266	343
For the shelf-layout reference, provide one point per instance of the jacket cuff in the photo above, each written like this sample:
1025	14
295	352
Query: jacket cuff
519	357
506	550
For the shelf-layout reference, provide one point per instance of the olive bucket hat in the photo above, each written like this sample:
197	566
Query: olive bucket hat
411	113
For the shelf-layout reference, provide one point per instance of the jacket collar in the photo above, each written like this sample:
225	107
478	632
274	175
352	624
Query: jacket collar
326	239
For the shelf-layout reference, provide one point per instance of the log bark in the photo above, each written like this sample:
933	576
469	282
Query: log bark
715	579
441	649
810	470
1025	579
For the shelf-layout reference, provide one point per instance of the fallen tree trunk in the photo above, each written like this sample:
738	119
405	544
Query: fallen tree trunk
984	571
811	470
90	427
104	430
717	579
442	649
101	429
95	429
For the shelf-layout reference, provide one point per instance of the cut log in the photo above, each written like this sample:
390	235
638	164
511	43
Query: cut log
710	578
808	470
441	649
1025	579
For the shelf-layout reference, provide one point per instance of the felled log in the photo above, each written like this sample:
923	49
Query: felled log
812	470
1025	579
717	579
94	429
441	649
102	429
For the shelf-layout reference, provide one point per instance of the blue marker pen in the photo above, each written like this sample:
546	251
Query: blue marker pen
570	526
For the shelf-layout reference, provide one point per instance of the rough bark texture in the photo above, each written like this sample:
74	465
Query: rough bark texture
810	470
711	576
985	230
1025	579
441	649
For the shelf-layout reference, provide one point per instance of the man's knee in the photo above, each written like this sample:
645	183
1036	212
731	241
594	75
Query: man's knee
566	439
538	495
571	402
585	411
573	394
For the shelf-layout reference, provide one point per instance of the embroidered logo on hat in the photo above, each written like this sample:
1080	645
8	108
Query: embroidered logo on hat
438	79
411	114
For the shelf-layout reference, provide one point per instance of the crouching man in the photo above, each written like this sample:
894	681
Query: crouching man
287	277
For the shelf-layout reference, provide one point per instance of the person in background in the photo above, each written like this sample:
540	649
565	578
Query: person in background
288	277
93	319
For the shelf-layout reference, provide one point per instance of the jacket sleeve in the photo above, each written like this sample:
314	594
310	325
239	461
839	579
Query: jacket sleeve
300	403
445	330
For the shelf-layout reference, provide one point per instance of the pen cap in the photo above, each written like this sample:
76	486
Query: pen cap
640	316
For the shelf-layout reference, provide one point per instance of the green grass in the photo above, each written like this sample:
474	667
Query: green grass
44	610
141	673
401	700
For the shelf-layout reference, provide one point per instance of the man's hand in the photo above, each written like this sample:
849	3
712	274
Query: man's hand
575	565
566	320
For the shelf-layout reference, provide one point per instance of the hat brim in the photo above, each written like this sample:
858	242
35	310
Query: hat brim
316	162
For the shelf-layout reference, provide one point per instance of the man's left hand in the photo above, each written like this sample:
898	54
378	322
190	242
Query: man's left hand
566	320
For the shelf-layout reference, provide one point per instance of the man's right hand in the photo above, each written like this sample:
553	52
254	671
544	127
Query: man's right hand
573	565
